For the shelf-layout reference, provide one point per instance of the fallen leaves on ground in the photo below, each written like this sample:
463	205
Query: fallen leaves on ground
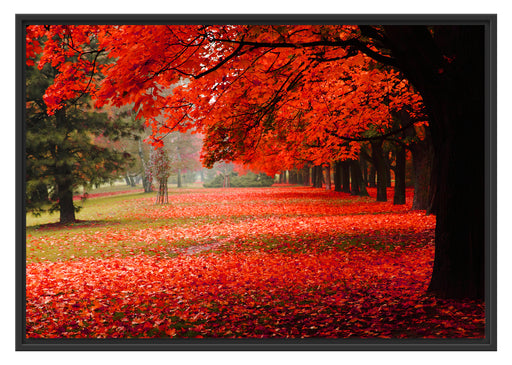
295	262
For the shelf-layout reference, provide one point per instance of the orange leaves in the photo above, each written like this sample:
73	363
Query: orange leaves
251	294
272	262
259	93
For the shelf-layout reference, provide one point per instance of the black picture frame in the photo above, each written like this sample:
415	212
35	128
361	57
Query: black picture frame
489	343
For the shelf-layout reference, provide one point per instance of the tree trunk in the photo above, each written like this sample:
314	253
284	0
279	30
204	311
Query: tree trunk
306	179
380	166
300	176
318	176
66	206
337	176
399	197
148	185
345	166
454	94
354	178
387	169
292	177
63	178
422	156
372	176
328	177
357	184
162	195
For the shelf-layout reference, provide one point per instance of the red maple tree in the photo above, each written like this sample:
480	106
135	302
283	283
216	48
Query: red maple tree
255	90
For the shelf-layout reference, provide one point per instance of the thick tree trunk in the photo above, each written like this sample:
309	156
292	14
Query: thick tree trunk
422	156
399	197
454	94
357	184
337	176
354	177
63	178
66	206
318	177
345	167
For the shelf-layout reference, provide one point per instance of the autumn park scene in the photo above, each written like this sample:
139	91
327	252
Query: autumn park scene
254	181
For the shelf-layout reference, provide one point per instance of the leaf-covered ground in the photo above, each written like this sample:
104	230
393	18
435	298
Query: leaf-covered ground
267	262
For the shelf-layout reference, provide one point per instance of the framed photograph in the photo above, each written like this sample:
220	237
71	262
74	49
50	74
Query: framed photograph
256	182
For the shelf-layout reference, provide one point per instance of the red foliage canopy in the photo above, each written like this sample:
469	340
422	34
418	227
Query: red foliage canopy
288	92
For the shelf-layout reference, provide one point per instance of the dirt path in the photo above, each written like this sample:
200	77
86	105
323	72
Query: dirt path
191	250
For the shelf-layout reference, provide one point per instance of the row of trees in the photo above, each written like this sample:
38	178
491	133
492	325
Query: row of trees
395	162
284	96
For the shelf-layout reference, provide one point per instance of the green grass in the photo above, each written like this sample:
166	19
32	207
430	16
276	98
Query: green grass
100	215
102	218
100	208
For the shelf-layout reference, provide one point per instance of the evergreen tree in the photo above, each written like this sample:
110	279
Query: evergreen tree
63	151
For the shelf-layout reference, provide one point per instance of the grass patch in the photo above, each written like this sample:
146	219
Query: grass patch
130	224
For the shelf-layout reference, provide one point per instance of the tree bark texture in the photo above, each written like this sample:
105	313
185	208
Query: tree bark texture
148	185
453	92
306	181
422	156
372	177
380	166
162	195
399	197
317	176
337	176
63	178
345	167
357	184
327	178
66	206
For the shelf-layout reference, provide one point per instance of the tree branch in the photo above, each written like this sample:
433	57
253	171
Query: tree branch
221	63
375	138
353	42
